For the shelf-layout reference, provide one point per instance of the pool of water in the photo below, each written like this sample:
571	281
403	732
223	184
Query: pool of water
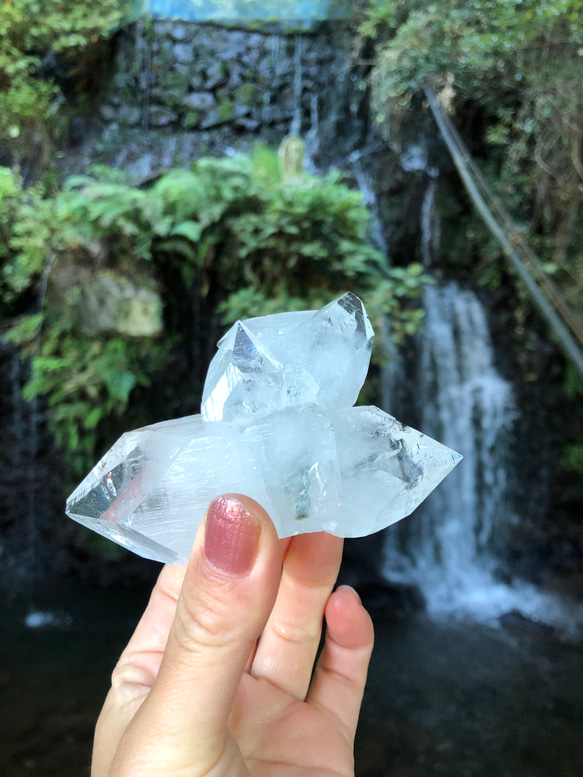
466	700
450	698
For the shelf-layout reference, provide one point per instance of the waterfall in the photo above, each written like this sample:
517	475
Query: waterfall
18	425
296	125
430	232
467	405
36	618
369	199
313	135
448	546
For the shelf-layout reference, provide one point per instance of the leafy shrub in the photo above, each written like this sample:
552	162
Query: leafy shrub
33	33
223	240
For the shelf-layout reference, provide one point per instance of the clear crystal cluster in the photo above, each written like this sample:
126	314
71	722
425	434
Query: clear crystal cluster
271	363
277	424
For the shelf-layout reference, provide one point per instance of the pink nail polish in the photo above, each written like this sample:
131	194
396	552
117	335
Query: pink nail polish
231	536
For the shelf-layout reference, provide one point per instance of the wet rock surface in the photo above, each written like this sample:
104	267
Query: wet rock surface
515	621
183	90
179	72
388	601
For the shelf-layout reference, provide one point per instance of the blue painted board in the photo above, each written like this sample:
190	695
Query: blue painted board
246	10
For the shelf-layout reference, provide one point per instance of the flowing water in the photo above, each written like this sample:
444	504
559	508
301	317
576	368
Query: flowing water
449	546
429	222
296	125
369	199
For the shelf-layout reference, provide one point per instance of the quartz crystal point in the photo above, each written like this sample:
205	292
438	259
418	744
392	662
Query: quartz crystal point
278	425
270	363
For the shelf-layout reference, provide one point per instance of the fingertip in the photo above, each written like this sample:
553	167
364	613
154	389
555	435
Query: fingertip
235	533
256	510
351	591
347	621
312	558
340	678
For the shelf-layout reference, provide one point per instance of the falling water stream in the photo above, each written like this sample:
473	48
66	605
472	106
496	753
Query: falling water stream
369	199
449	546
296	125
35	617
429	222
465	404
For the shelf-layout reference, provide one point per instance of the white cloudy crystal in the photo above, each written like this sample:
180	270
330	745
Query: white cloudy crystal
278	425
348	471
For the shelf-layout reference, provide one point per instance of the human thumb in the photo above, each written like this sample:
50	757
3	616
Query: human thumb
228	593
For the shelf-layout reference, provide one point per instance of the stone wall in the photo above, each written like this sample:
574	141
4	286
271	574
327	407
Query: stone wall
181	90
199	77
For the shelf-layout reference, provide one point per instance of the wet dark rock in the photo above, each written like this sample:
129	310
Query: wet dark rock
182	69
516	621
108	113
216	74
130	115
210	38
251	125
255	41
199	101
390	601
78	130
184	52
265	70
178	32
162	117
241	110
212	118
555	548
237	43
49	66
251	57
202	77
236	78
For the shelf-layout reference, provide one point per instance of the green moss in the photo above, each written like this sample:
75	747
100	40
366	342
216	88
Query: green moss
172	81
29	121
247	95
191	119
226	109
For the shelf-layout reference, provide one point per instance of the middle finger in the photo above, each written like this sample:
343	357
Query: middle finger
287	648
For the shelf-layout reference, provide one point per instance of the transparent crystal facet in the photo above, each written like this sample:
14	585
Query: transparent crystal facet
348	471
278	425
273	362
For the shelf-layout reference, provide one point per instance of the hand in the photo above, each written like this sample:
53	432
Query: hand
217	678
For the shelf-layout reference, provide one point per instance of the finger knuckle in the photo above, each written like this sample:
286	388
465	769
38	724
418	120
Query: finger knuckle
295	633
203	624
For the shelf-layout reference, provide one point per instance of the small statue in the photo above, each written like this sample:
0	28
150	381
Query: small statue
291	158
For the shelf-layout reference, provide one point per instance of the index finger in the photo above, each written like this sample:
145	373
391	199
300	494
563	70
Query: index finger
151	634
137	668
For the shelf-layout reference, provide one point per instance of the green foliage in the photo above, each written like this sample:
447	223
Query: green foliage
85	379
30	30
518	63
573	458
487	46
226	237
